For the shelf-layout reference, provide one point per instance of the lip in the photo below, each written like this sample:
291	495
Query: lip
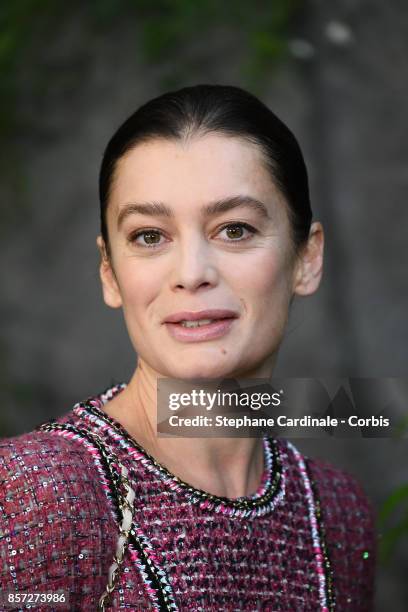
224	319
214	313
210	331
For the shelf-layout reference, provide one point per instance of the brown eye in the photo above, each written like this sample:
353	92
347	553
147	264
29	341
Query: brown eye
235	231
151	237
238	232
146	238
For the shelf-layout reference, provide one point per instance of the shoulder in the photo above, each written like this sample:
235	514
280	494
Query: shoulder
343	499
27	458
50	468
34	442
37	459
55	515
340	493
348	521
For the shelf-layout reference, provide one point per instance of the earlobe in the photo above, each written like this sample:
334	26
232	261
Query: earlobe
110	287
310	263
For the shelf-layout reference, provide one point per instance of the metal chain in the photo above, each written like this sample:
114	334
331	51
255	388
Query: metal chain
125	502
127	509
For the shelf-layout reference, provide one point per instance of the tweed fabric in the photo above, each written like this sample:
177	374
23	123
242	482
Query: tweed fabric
58	529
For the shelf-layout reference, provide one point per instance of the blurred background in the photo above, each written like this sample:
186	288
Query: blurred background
336	73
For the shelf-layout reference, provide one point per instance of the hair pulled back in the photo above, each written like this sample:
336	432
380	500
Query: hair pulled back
223	109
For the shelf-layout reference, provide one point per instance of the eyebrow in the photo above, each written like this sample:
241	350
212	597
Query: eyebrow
159	209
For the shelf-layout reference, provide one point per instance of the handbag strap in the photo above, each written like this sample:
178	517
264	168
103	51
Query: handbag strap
124	496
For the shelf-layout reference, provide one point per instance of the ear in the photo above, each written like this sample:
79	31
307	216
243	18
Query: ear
110	287
309	266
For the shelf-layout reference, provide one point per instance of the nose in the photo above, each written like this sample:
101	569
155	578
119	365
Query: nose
193	265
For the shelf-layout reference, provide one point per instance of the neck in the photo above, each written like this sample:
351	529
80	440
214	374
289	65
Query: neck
229	467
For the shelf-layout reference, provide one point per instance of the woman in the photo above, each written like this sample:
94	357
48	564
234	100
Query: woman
205	216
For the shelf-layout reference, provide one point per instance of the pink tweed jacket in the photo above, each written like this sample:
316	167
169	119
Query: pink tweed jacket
304	541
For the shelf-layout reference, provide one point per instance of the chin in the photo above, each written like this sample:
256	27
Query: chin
197	371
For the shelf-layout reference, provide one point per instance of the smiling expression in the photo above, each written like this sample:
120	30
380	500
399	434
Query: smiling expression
197	226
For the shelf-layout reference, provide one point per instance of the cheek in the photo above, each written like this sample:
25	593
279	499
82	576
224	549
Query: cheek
139	286
266	282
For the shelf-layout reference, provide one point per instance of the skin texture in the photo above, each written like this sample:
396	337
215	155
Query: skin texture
197	263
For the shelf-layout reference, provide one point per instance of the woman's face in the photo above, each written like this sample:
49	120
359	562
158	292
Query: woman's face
175	250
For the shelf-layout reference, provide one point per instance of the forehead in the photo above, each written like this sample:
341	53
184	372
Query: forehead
202	169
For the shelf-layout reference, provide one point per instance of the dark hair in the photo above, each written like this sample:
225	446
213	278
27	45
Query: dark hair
224	109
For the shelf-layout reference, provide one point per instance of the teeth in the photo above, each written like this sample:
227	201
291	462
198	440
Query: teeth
196	323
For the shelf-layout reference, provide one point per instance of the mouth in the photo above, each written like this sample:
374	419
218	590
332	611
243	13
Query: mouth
199	323
201	316
200	326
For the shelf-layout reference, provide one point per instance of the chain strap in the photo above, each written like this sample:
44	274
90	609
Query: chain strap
125	494
127	509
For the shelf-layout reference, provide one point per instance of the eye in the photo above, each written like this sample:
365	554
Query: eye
150	238
236	231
